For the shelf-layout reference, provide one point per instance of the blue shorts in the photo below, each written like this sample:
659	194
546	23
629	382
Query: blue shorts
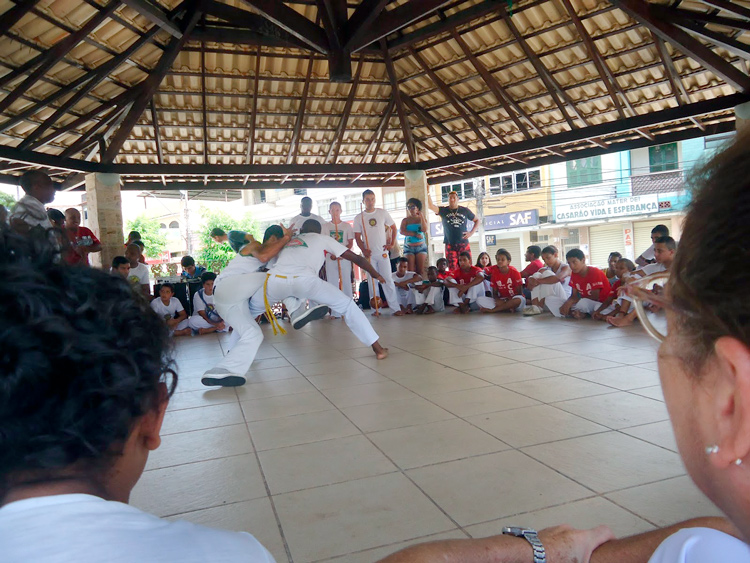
422	248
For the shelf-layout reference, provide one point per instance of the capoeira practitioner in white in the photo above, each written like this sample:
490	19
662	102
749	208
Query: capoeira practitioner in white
428	296
551	281
371	238
404	281
295	273
232	289
305	207
338	270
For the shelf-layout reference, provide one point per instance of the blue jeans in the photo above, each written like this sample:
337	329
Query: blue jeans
415	249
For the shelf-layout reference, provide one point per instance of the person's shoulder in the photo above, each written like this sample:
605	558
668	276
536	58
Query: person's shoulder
514	270
700	545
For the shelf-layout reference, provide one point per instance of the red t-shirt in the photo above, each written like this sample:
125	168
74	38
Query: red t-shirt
593	280
507	284
442	275
83	237
464	277
533	267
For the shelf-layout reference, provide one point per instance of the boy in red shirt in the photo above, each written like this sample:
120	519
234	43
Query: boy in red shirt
442	268
590	289
507	287
82	240
465	284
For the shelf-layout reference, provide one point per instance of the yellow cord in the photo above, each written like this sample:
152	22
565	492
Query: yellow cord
269	312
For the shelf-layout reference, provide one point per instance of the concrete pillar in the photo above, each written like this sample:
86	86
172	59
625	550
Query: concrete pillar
104	204
415	183
742	118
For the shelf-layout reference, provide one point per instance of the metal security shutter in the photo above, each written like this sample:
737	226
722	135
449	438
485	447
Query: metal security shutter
604	239
642	233
475	251
513	246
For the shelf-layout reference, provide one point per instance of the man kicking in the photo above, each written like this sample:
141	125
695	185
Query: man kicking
235	285
296	274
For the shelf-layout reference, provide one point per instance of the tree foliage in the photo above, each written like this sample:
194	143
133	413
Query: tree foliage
153	239
7	200
210	251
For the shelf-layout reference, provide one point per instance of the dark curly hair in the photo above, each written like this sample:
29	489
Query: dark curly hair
81	358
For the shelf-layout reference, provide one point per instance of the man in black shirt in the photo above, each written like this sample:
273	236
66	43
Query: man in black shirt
455	224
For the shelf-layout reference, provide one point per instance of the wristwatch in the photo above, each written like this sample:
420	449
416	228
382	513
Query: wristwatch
531	536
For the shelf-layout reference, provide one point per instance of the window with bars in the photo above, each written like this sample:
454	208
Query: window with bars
662	158
465	190
515	182
584	171
394	200
352	204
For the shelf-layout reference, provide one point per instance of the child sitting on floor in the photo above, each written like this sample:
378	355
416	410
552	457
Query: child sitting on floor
590	288
205	319
465	285
507	287
428	295
403	278
617	305
552	280
169	308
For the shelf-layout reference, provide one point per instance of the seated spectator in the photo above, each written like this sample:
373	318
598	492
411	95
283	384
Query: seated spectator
552	280
72	450
56	217
428	295
532	256
442	268
189	270
618	303
590	288
664	252
82	240
205	319
169	308
611	266
507	287
121	266
138	270
403	279
648	255
485	262
465	285
135	236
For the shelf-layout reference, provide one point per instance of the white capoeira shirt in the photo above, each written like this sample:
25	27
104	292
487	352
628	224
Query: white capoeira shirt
139	275
343	232
375	223
305	254
649	269
296	223
701	545
167	312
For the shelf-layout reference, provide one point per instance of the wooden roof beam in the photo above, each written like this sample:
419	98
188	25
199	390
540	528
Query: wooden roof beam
361	20
146	89
730	7
293	22
334	14
253	114
54	55
341	128
157	133
391	21
11	17
155	15
377	137
678	88
405	128
644	14
431	123
732	45
294	144
96	78
204	104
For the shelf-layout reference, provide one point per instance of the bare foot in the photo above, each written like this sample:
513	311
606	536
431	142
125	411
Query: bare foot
376	314
577	315
619	321
485	310
399	314
183	332
429	310
203	331
458	311
380	352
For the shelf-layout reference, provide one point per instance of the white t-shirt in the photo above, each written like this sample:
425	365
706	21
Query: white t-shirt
139	274
375	222
88	529
305	254
648	254
296	223
205	304
167	311
649	269
343	232
701	545
407	276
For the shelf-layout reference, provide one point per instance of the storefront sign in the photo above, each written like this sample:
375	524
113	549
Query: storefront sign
604	208
490	240
498	222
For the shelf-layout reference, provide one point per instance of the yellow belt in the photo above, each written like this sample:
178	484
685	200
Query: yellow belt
269	312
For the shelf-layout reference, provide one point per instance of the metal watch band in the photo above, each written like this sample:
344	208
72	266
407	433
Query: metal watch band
540	556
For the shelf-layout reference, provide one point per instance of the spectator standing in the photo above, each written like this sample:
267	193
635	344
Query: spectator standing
338	270
456	232
305	207
29	211
413	227
82	240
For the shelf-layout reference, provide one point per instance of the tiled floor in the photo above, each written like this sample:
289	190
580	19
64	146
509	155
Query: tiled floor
472	423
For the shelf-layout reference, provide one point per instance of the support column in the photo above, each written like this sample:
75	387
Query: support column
415	183
104	204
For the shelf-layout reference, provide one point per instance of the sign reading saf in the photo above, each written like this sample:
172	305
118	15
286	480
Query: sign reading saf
500	221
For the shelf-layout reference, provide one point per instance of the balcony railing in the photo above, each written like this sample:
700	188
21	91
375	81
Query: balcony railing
658	182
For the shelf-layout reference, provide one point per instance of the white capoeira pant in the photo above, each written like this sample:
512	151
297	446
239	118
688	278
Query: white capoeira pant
332	275
432	297
231	301
405	297
490	302
472	294
281	286
544	291
586	306
197	322
382	264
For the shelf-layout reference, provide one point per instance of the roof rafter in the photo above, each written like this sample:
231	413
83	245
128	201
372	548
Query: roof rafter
405	127
341	128
11	17
155	15
293	22
294	144
362	18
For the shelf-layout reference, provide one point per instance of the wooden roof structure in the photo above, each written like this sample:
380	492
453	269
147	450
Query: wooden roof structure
232	94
